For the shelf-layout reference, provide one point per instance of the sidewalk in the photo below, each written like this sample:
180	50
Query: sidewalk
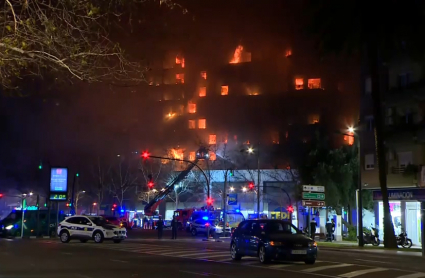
353	246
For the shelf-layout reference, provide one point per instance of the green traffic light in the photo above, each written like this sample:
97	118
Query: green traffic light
40	166
77	175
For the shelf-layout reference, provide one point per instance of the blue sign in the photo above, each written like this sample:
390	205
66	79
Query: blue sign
59	180
413	194
232	199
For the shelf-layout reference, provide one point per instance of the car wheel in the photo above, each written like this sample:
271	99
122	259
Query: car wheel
194	232
64	236
117	240
262	255
98	237
234	252
83	240
310	261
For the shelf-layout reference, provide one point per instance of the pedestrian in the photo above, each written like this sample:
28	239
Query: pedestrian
329	231
145	222
333	229
174	228
151	224
160	225
313	226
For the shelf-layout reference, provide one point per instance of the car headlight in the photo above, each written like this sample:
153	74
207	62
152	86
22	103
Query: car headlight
312	244
9	227
276	243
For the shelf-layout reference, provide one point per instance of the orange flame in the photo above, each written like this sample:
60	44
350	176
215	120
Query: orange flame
237	56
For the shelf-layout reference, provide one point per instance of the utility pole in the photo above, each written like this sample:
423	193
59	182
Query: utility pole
225	202
38	214
73	195
360	201
258	181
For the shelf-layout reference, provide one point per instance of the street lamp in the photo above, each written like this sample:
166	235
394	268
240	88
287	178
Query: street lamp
244	189
232	188
251	151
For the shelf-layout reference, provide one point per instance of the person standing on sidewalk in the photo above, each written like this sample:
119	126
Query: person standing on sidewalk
174	228
160	225
313	226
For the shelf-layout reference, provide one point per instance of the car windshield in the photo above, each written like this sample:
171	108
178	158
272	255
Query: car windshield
279	227
98	221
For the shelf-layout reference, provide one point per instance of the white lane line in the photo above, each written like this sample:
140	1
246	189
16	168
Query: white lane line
250	262
198	253
325	267
118	261
175	253
372	261
217	256
362	272
224	260
413	275
276	266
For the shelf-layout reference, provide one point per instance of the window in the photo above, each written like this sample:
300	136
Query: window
224	90
192	124
212	139
314	83
191	107
313	119
368	86
180	78
192	156
202	91
213	156
204	75
202	123
180	61
288	52
299	83
369	162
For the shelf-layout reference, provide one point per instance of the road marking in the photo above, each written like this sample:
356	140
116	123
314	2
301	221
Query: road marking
198	253
118	261
224	254
325	267
174	253
196	273
225	260
250	262
362	272
66	253
413	275
372	261
280	266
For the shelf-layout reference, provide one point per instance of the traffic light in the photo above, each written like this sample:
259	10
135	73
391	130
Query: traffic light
145	155
40	166
151	184
67	204
77	175
290	209
251	186
231	173
114	205
210	201
1	195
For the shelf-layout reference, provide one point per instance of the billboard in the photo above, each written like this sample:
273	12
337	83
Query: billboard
58	184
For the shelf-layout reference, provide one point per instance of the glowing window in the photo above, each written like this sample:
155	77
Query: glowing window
192	156
288	53
299	83
202	91
204	75
313	119
192	124
224	90
191	107
180	61
180	78
213	156
349	139
202	123
314	83
212	139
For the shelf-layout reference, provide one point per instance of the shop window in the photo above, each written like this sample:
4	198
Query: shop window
191	107
192	156
180	78
202	91
192	124
224	90
314	83
299	83
180	61
369	162
204	75
212	139
202	123
213	156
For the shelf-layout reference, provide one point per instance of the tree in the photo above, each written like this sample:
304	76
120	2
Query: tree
122	178
183	187
100	174
378	32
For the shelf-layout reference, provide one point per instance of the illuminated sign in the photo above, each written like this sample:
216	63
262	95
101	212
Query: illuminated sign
58	184
232	199
58	197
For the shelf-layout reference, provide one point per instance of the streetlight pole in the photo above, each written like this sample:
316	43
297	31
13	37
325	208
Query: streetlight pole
258	182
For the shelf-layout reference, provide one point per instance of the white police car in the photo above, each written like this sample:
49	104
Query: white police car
89	227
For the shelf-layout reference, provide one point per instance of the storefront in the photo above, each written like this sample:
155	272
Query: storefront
405	210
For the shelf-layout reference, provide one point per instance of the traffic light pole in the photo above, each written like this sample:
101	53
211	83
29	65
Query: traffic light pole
73	195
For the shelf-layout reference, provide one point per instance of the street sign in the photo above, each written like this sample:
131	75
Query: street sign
317	204
313	188
313	196
232	199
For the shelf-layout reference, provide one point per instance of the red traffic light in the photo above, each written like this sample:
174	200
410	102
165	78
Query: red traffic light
1	195
290	209
145	155
67	204
151	184
210	201
251	186
114	205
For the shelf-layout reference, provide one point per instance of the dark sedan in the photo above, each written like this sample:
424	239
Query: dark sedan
272	240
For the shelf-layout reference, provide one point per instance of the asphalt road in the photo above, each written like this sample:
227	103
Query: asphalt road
184	257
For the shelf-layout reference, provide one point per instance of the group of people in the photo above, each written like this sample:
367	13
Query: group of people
160	225
148	223
330	229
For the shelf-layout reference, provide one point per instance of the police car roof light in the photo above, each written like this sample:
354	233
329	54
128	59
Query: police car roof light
205	218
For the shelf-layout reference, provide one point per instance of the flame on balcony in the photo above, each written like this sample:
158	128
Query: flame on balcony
180	61
237	56
176	153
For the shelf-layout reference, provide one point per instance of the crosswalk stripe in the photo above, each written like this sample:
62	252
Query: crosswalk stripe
413	275
250	262
280	265
325	267
362	272
175	253
197	253
217	256
224	260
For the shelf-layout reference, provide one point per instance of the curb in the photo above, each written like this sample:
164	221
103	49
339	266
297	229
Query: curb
392	252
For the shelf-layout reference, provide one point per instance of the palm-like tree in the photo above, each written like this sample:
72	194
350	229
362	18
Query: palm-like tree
377	30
